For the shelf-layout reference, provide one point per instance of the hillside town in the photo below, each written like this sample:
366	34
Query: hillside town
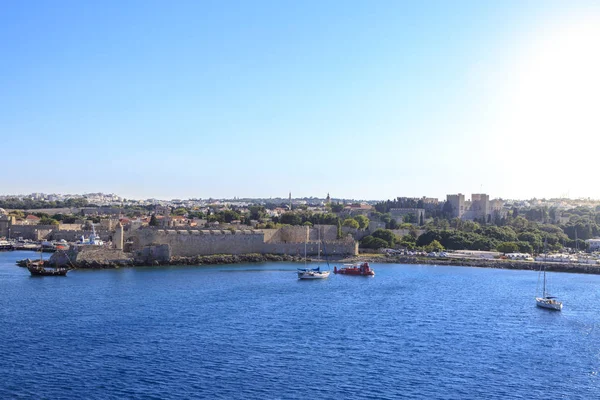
561	230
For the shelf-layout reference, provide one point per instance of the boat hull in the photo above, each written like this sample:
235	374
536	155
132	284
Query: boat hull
354	272
313	275
548	304
357	270
41	271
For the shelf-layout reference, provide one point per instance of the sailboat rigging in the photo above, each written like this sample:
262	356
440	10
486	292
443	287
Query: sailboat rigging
546	301
312	273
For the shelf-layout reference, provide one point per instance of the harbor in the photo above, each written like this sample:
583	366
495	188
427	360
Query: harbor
173	318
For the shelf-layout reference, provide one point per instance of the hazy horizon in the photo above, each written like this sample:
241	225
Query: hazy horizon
285	198
361	100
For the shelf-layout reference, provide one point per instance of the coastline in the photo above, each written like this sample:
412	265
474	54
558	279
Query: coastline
215	259
482	263
223	259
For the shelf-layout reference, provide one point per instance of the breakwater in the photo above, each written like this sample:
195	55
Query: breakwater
97	257
481	263
215	259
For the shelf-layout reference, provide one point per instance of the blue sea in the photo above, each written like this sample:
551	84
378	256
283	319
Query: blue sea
253	331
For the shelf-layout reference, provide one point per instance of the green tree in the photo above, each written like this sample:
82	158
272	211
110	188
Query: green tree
525	247
533	239
386	235
153	221
370	242
434	246
47	221
508	247
351	223
291	218
179	211
363	222
337	207
230	215
257	212
339	229
392	224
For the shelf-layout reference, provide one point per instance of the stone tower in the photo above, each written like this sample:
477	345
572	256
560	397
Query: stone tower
119	236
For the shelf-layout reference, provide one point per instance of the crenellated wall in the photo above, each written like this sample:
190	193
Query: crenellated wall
189	243
299	234
31	232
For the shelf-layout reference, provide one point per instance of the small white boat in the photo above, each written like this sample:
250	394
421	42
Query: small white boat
312	273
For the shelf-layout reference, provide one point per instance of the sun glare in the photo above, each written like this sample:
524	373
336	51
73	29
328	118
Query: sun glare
556	86
545	108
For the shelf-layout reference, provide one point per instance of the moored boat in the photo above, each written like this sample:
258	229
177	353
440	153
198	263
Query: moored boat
355	269
41	268
547	301
38	270
312	273
6	245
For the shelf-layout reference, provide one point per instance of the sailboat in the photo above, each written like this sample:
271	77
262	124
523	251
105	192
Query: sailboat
312	273
547	301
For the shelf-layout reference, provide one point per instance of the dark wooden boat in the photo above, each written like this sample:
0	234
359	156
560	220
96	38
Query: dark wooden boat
40	270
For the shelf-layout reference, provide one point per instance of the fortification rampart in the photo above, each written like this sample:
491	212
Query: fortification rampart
31	232
190	243
90	256
75	235
299	234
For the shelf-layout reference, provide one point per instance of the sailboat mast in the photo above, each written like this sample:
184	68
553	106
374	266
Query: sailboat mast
544	292
305	241
319	244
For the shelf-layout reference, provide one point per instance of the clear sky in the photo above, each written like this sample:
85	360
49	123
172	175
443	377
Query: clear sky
361	99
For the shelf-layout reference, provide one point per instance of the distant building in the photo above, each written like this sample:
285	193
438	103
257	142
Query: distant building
457	201
31	220
480	207
162	210
416	215
593	244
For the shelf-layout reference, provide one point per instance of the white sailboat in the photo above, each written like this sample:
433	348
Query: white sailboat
312	273
546	301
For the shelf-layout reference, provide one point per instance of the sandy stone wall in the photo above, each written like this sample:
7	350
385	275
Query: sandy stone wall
189	243
31	232
298	234
81	255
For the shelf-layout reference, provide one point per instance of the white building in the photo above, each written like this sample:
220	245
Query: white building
593	244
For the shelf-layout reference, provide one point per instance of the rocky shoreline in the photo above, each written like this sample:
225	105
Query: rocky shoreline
127	260
216	259
483	263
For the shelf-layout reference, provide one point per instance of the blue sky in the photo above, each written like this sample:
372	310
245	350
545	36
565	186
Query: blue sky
365	100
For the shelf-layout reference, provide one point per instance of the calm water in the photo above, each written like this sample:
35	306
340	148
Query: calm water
255	331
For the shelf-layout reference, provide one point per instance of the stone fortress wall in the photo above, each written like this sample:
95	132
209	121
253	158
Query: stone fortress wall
286	240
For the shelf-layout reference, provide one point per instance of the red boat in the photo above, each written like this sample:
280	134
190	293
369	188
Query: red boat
355	269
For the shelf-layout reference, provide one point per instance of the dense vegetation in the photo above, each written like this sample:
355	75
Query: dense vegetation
28	204
530	230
